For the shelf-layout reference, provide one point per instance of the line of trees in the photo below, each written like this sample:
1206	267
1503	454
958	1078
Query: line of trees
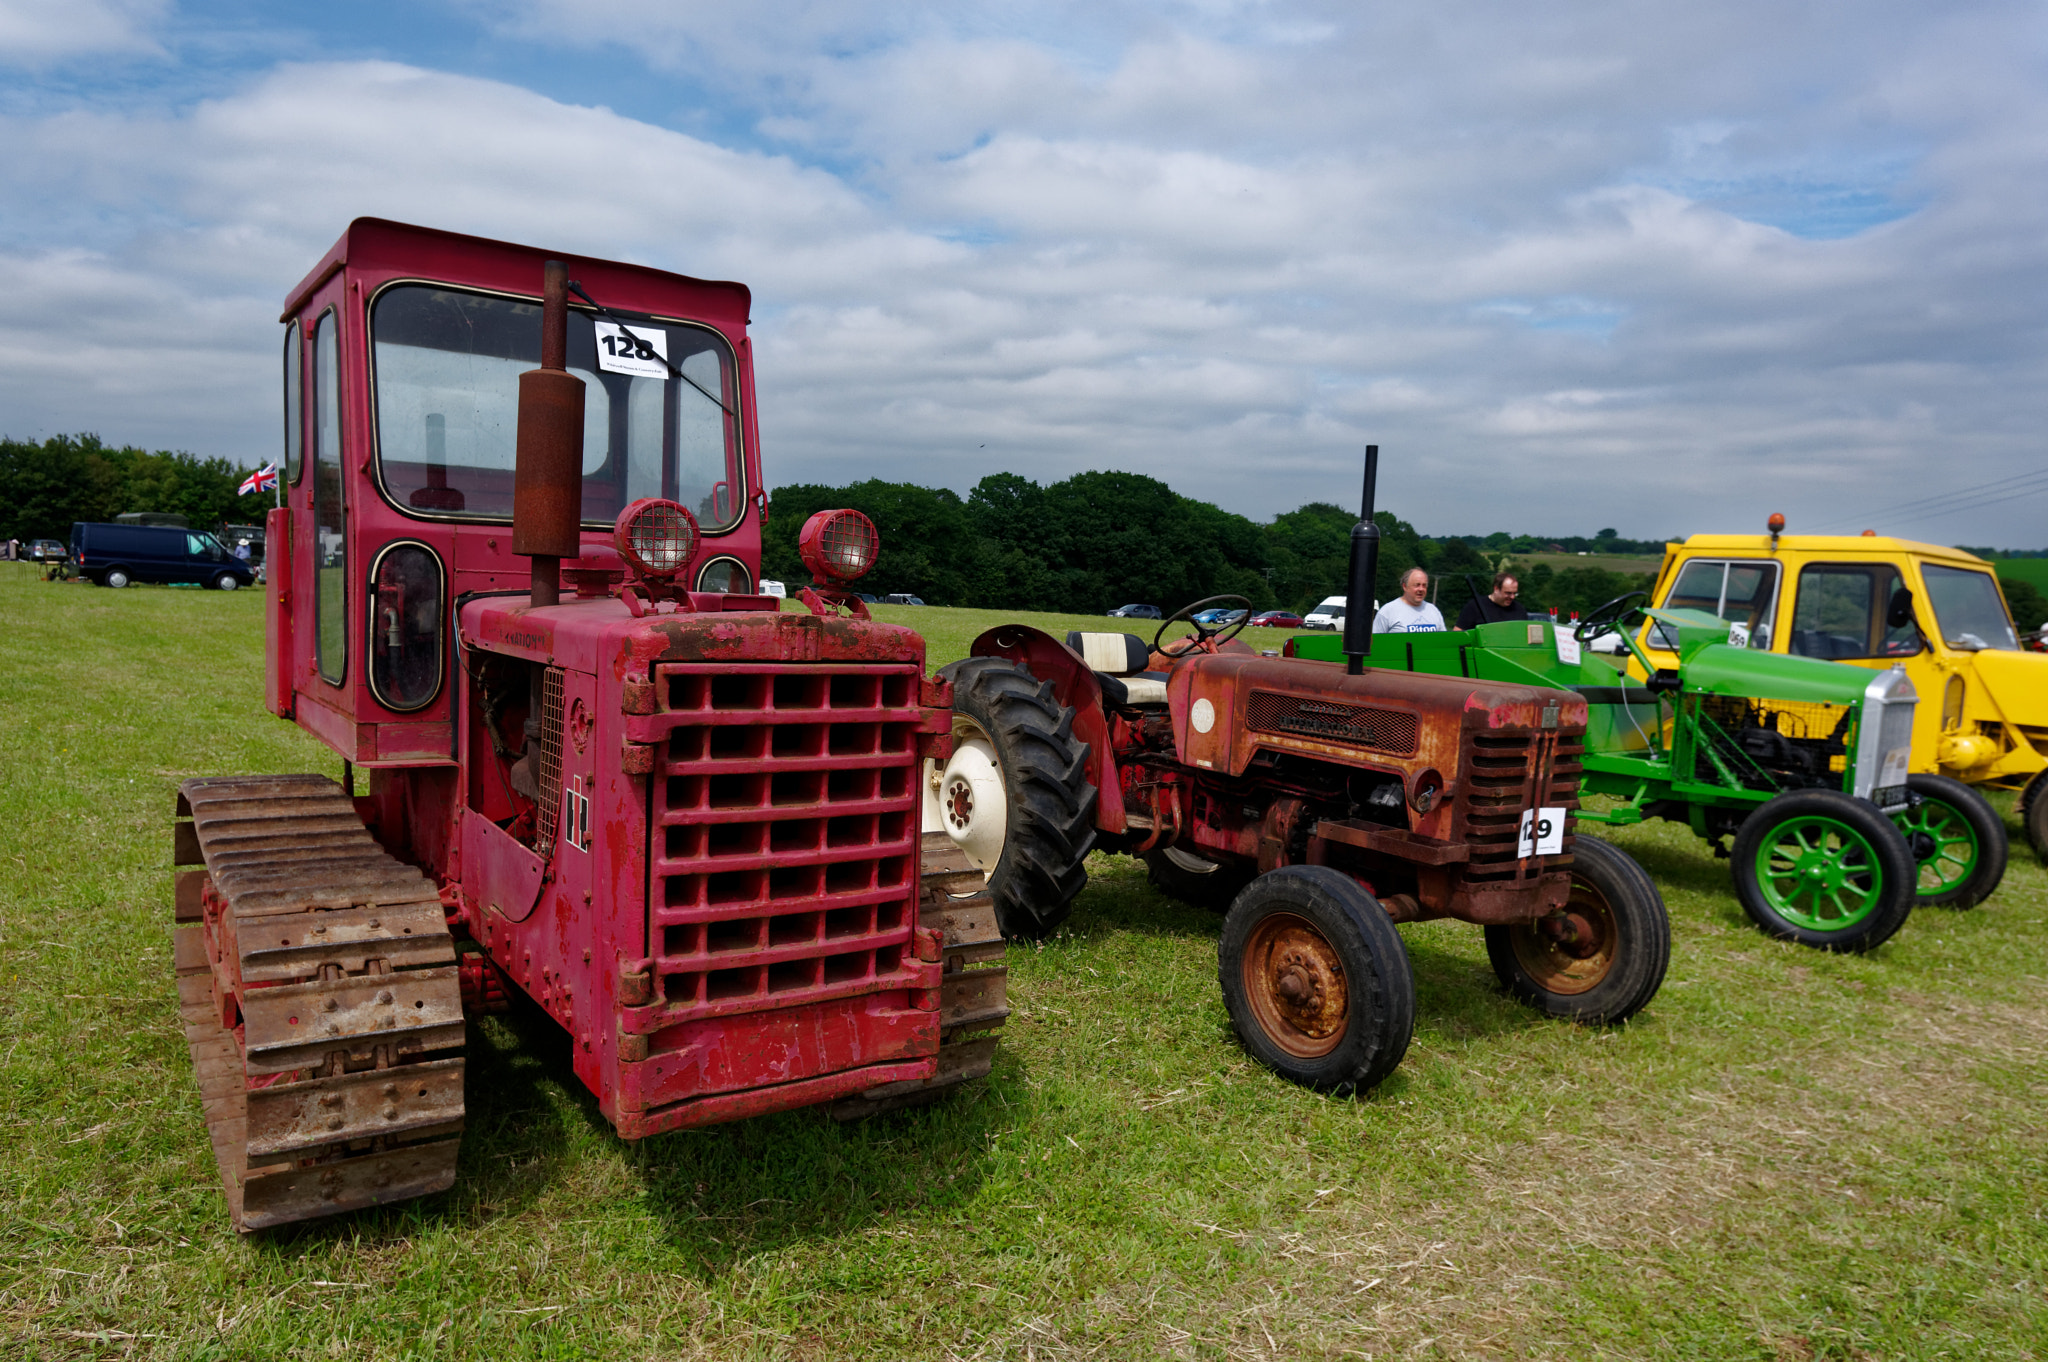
1100	540
1084	546
45	486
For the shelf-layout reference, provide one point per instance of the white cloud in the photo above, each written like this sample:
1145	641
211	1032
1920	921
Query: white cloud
1568	268
36	32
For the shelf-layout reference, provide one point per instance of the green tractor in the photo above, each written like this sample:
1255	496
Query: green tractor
1803	762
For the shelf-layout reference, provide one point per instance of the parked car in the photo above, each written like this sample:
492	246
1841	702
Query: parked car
902	598
46	551
1276	619
1221	615
1135	612
115	555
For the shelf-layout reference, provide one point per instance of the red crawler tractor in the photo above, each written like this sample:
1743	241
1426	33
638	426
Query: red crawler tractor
612	777
1318	803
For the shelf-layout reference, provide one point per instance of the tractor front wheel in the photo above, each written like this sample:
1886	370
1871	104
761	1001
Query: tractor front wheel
1601	957
1958	842
1824	869
1316	979
1192	879
1014	796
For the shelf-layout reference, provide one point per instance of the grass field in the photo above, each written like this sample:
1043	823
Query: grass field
1607	562
1789	1155
2032	571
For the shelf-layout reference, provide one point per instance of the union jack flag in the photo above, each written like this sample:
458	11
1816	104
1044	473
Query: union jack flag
263	479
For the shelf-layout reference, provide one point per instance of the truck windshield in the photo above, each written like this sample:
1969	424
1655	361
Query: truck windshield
1968	608
1744	594
447	367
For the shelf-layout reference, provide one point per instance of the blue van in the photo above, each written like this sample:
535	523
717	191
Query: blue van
115	555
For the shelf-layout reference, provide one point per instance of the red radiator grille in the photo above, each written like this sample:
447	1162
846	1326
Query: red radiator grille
1505	773
784	844
1387	730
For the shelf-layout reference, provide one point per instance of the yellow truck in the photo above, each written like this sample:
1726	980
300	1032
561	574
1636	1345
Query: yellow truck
1878	602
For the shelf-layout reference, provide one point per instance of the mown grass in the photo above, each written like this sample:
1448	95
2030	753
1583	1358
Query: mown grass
1788	1156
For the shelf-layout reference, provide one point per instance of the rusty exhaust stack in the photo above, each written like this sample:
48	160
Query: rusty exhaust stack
547	478
1365	569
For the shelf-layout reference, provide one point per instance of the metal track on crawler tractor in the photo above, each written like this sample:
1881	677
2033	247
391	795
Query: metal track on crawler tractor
320	999
973	991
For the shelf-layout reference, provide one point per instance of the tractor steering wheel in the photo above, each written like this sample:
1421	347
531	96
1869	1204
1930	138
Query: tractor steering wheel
1204	639
1611	613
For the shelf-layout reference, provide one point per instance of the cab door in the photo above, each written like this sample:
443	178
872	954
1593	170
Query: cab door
1868	614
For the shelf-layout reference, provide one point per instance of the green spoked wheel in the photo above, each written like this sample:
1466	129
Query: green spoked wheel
1957	841
1824	869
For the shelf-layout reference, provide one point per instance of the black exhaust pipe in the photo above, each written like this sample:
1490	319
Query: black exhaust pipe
1365	569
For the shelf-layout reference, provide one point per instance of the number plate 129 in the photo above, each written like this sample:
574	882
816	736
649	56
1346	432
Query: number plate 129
1542	833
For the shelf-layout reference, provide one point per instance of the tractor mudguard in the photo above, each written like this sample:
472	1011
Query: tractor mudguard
1075	686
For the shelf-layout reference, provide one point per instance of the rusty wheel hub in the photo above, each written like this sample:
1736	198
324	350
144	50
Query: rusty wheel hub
1571	950
1295	983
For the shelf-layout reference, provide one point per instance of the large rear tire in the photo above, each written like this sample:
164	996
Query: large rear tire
1600	958
1824	869
1316	979
1958	843
1015	795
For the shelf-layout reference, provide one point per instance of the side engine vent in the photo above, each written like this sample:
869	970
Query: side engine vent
1384	730
549	773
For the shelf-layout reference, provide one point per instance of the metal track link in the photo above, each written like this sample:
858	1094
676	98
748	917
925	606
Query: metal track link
318	987
973	991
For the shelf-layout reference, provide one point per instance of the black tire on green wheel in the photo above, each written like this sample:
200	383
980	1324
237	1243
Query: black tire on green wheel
1194	879
1316	979
1824	869
1049	804
1958	842
1600	958
2033	809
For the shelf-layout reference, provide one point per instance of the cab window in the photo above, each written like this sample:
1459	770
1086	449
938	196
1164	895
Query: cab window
1845	610
1744	594
1968	609
204	546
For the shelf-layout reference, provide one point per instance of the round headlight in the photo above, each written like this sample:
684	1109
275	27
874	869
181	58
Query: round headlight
657	537
840	545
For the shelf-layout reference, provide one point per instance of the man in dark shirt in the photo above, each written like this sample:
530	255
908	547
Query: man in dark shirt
1492	609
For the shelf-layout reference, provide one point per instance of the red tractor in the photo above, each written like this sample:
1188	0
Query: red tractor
1319	803
610	776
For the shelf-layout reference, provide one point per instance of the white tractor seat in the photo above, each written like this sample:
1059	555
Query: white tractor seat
1119	660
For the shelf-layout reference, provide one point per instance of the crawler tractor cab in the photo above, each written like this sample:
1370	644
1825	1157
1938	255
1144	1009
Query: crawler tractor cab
512	584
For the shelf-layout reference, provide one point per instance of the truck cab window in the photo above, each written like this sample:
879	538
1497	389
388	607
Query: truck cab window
1744	594
447	379
330	542
1842	612
1968	609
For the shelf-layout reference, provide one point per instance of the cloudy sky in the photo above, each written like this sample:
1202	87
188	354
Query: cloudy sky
1661	266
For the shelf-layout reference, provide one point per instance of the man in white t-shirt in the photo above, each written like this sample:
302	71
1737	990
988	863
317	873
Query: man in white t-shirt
1409	614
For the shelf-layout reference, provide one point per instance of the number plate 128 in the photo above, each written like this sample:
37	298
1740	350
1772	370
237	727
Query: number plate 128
1542	833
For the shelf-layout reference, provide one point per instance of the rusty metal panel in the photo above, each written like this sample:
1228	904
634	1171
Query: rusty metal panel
293	1026
1395	842
1373	726
413	1101
281	949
